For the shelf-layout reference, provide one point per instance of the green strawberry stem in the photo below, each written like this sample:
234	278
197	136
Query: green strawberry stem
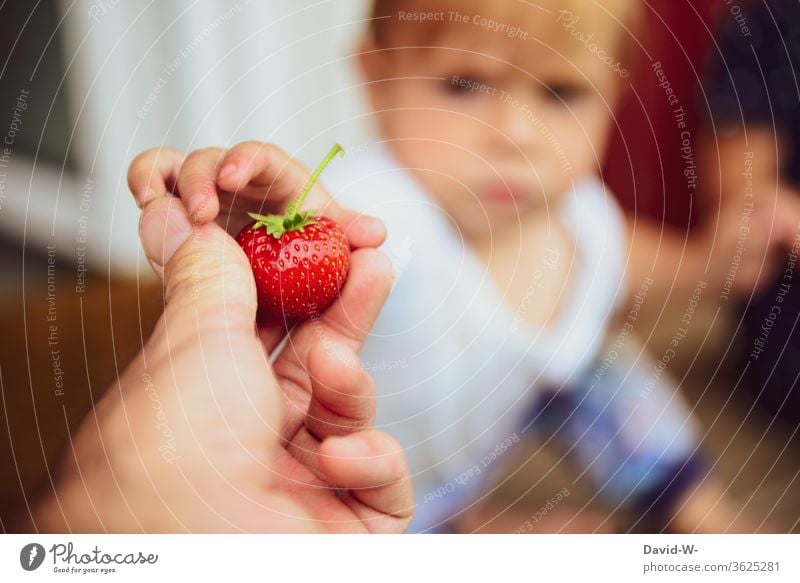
292	220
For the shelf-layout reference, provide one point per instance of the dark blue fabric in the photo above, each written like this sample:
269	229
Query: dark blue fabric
652	485
654	510
754	79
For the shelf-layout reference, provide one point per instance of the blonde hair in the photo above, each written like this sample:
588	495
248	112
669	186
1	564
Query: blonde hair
613	25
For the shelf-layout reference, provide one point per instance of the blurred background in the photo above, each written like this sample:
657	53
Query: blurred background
105	80
86	85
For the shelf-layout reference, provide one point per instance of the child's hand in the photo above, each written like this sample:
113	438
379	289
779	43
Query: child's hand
745	247
201	433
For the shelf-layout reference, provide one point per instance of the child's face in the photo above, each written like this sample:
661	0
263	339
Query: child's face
493	132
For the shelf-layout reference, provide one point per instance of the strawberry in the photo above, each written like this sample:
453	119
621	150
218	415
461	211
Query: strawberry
300	261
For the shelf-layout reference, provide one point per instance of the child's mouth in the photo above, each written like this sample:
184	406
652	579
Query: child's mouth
504	193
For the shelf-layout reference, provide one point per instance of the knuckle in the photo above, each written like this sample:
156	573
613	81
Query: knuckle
278	162
196	180
273	150
249	146
194	175
151	156
202	155
141	162
271	155
145	157
254	152
145	163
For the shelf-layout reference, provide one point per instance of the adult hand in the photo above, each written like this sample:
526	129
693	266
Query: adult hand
201	432
745	245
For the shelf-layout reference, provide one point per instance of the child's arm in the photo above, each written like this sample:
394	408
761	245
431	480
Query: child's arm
741	242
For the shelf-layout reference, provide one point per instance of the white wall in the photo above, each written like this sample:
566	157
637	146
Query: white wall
185	74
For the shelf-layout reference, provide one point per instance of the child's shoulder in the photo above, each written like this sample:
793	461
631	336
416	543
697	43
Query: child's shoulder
596	221
597	224
589	198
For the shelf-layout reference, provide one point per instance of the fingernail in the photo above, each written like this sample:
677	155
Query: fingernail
163	230
374	224
196	206
227	170
148	195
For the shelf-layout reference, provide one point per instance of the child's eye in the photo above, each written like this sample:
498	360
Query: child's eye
565	92
464	85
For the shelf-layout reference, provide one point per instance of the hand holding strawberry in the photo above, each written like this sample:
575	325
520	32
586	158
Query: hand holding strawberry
261	444
223	185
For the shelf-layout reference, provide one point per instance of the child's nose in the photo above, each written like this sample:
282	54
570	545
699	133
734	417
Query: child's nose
516	124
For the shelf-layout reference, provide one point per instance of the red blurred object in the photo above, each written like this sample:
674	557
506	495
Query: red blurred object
644	166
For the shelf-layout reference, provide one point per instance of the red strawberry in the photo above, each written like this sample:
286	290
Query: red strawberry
300	261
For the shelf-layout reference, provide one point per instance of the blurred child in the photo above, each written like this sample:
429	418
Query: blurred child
510	256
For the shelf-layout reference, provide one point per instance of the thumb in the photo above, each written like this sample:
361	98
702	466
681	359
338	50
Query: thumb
207	277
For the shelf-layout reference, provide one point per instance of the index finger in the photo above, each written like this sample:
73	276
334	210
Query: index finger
265	178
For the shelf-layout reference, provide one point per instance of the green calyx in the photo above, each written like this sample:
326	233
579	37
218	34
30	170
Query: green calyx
292	220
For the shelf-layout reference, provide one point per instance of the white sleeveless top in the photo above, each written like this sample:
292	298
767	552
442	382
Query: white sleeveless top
456	368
